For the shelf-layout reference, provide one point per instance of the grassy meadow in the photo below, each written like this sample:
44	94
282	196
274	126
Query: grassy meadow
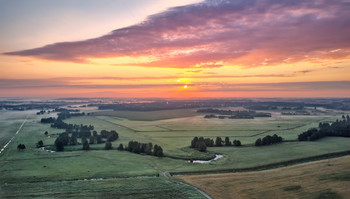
56	173
175	134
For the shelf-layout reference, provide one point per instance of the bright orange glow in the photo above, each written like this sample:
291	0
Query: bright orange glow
185	86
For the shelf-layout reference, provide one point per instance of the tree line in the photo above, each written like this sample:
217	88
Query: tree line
65	139
232	114
62	115
340	128
60	124
145	148
202	143
134	147
268	140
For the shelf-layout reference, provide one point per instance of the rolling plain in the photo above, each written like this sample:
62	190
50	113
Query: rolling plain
120	174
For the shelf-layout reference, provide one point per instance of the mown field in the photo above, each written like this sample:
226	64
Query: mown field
133	188
58	172
320	179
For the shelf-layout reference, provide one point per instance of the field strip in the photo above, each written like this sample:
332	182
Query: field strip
266	166
200	130
43	158
196	188
24	121
225	130
185	184
258	168
120	126
163	127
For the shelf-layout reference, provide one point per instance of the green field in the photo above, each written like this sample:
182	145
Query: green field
149	115
174	135
147	187
64	170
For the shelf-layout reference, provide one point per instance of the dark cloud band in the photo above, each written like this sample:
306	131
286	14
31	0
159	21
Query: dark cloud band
217	32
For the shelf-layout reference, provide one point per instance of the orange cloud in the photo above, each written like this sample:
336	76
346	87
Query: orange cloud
247	33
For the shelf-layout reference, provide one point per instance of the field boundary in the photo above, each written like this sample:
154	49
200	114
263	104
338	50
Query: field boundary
266	166
19	129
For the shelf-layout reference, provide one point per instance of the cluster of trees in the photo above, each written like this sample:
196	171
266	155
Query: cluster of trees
65	138
21	147
41	112
233	114
339	128
227	142
59	124
66	114
145	148
120	147
86	145
48	120
217	111
81	130
109	135
62	114
108	146
75	131
65	110
311	135
135	147
237	143
267	140
39	144
202	143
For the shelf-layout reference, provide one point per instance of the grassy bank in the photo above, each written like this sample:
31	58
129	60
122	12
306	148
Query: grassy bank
308	180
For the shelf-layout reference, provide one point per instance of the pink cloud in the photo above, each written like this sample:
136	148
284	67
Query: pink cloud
242	32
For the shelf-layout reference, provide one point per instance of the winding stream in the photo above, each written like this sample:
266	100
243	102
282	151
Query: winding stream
207	161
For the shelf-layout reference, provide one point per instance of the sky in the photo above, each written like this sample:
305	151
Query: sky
175	49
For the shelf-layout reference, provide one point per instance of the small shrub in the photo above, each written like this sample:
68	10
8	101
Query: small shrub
292	188
108	146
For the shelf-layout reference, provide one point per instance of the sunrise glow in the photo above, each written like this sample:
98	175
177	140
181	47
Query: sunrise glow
240	49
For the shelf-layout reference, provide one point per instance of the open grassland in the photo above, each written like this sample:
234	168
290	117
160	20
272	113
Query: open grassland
320	179
42	174
150	115
174	135
60	174
37	165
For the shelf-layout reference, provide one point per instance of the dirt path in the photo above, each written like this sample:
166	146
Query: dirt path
197	189
166	175
19	129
